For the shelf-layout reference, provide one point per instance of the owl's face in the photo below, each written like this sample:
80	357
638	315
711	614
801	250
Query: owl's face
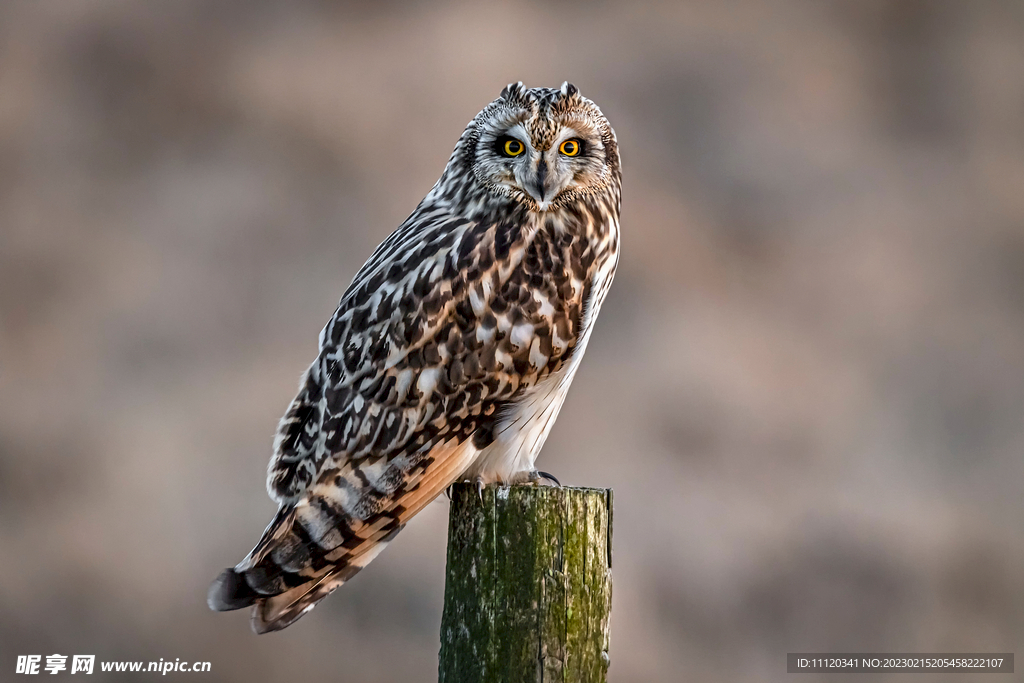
544	147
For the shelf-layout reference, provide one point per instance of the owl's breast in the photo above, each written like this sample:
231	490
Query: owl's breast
523	423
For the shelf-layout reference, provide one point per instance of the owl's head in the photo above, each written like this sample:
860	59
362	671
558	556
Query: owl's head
542	147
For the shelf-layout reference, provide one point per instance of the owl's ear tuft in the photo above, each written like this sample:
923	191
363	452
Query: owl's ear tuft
569	90
512	91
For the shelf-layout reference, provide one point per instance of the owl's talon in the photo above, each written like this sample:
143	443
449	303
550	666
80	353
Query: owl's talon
550	477
480	487
536	476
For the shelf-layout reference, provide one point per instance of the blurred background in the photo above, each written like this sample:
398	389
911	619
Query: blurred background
806	387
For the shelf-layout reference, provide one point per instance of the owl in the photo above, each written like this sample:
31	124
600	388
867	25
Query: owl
450	354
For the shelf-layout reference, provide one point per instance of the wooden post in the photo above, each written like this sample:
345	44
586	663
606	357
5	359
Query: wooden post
528	585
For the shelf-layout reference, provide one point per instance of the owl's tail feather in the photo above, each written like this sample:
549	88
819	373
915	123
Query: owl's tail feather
280	611
317	543
288	572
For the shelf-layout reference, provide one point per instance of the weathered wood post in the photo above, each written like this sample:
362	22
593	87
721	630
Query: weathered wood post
528	586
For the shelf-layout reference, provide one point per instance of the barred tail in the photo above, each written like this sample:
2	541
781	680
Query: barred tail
290	571
319	542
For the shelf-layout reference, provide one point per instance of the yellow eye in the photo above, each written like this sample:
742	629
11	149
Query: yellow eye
513	148
570	148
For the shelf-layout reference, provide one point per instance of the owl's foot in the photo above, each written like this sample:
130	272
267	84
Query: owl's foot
480	484
536	477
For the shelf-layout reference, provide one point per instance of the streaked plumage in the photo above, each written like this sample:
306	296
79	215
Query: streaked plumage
449	355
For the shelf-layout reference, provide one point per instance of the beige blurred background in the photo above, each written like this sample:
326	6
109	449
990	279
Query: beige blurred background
806	388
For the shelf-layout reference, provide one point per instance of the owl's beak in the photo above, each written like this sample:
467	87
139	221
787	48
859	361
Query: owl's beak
539	188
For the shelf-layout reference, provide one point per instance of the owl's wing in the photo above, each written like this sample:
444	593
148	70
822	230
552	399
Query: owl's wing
446	323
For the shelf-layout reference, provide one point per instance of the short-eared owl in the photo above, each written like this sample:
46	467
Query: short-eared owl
451	352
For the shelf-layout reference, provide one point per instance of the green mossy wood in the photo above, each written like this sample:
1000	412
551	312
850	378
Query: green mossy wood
528	586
